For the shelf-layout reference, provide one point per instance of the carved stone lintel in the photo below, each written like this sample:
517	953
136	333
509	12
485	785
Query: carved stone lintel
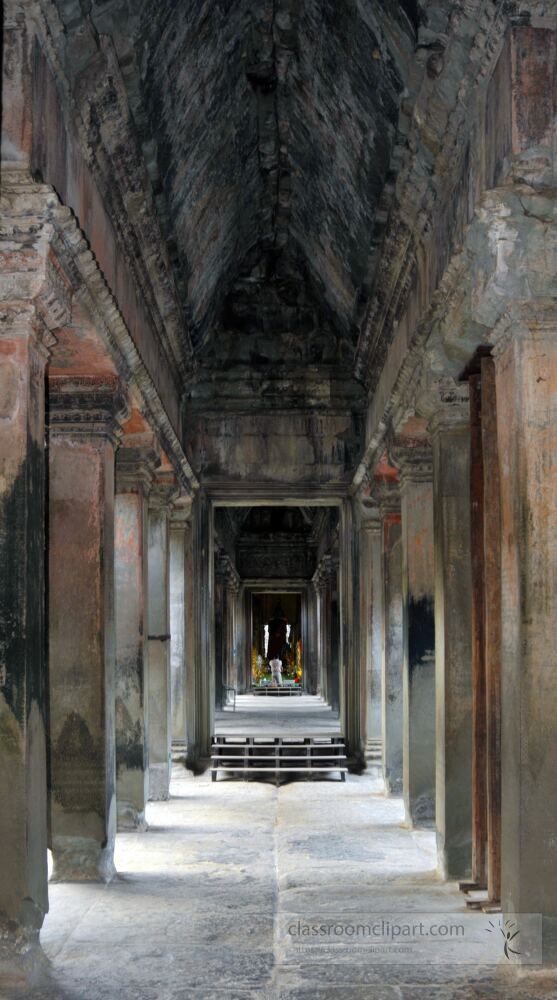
86	406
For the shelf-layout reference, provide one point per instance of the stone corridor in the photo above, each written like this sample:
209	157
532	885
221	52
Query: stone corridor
199	901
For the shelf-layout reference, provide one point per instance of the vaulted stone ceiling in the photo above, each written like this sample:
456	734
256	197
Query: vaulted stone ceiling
274	123
268	128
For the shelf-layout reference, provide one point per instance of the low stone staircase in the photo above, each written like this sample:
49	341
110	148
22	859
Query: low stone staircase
277	757
373	754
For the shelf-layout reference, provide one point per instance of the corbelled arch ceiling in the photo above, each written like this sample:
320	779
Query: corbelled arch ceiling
268	129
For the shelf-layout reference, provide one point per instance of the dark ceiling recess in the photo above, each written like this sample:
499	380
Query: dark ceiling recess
273	125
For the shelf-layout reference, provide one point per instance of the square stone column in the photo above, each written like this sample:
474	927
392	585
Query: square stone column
418	678
200	684
135	469
24	341
350	663
82	435
180	621
159	730
450	432
319	584
526	379
392	654
374	730
371	587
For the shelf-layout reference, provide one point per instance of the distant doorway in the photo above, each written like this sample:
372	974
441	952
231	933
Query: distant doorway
276	638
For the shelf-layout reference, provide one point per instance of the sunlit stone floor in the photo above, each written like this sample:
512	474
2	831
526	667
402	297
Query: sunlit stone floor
202	900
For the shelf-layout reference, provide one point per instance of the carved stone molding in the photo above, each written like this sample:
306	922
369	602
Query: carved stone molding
413	458
226	573
164	492
181	511
86	406
135	469
46	264
525	320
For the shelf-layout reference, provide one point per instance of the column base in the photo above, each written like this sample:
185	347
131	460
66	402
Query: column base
23	964
130	818
421	811
454	863
81	859
195	762
159	782
393	784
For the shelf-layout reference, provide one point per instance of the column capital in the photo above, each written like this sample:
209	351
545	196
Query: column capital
535	320
135	468
325	570
445	402
386	497
414	461
180	515
86	406
370	515
226	572
164	491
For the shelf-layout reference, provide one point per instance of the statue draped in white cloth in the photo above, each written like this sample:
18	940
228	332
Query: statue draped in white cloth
276	671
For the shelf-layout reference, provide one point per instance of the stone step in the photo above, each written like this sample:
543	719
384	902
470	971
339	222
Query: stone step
238	756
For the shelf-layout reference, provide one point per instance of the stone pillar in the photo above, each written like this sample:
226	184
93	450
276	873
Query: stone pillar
82	429
180	622
374	725
318	584
312	658
231	627
370	646
24	343
418	679
477	561
350	664
450	432
159	729
221	570
201	679
493	637
526	379
332	605
134	474
392	649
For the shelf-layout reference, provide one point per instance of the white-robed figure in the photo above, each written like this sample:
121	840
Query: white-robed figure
276	671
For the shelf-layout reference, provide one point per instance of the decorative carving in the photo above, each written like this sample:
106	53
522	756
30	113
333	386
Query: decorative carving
86	406
135	469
